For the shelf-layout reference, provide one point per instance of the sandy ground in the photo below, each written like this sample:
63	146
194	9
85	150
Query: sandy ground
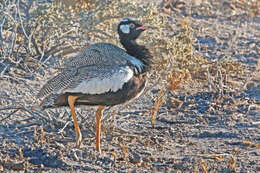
210	132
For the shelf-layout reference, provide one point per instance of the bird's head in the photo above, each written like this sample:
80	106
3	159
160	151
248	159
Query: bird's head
130	29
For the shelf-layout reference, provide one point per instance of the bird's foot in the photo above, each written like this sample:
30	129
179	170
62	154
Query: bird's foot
98	148
78	140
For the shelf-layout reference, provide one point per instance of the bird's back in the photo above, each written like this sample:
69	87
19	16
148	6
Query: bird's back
100	54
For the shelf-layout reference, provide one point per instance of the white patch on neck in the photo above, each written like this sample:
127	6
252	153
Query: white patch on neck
101	85
125	29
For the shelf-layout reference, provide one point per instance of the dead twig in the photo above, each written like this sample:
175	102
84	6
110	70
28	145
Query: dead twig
9	115
158	103
62	129
221	88
26	110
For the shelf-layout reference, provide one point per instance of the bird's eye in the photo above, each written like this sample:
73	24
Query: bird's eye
132	25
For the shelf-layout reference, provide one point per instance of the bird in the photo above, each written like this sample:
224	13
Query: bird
101	75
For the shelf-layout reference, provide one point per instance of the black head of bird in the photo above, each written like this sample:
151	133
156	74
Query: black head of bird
129	29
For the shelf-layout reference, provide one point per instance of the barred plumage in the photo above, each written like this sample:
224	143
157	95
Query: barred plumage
57	83
102	54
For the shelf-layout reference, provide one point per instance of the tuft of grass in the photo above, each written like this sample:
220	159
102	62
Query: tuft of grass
124	150
160	99
232	164
203	166
175	77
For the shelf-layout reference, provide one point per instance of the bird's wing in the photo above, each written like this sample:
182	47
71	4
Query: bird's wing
99	79
102	54
88	80
57	83
87	56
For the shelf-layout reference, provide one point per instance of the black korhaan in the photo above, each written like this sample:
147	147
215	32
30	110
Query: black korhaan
101	75
132	48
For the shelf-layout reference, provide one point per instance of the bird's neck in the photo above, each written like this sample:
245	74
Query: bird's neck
138	51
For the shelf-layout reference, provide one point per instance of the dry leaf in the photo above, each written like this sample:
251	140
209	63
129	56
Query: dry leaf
247	143
255	145
175	103
185	22
218	157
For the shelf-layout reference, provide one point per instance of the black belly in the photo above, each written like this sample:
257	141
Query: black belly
130	90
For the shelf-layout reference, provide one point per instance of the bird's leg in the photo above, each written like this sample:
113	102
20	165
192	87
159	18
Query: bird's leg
72	100
99	114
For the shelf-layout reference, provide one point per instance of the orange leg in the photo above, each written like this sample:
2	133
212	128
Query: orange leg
72	100
99	114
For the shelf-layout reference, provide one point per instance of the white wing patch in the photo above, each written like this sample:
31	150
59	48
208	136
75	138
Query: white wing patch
137	63
100	85
125	29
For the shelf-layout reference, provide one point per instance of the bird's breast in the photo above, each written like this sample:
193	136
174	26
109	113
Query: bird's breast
130	90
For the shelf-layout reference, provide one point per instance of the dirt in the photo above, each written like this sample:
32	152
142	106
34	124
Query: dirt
210	131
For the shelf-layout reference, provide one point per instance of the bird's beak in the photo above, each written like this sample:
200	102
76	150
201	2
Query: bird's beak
142	28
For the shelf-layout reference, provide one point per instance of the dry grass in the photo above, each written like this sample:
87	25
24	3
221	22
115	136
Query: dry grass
232	164
203	166
124	150
160	99
205	104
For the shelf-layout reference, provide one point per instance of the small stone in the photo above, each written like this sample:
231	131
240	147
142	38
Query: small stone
136	159
251	45
1	168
